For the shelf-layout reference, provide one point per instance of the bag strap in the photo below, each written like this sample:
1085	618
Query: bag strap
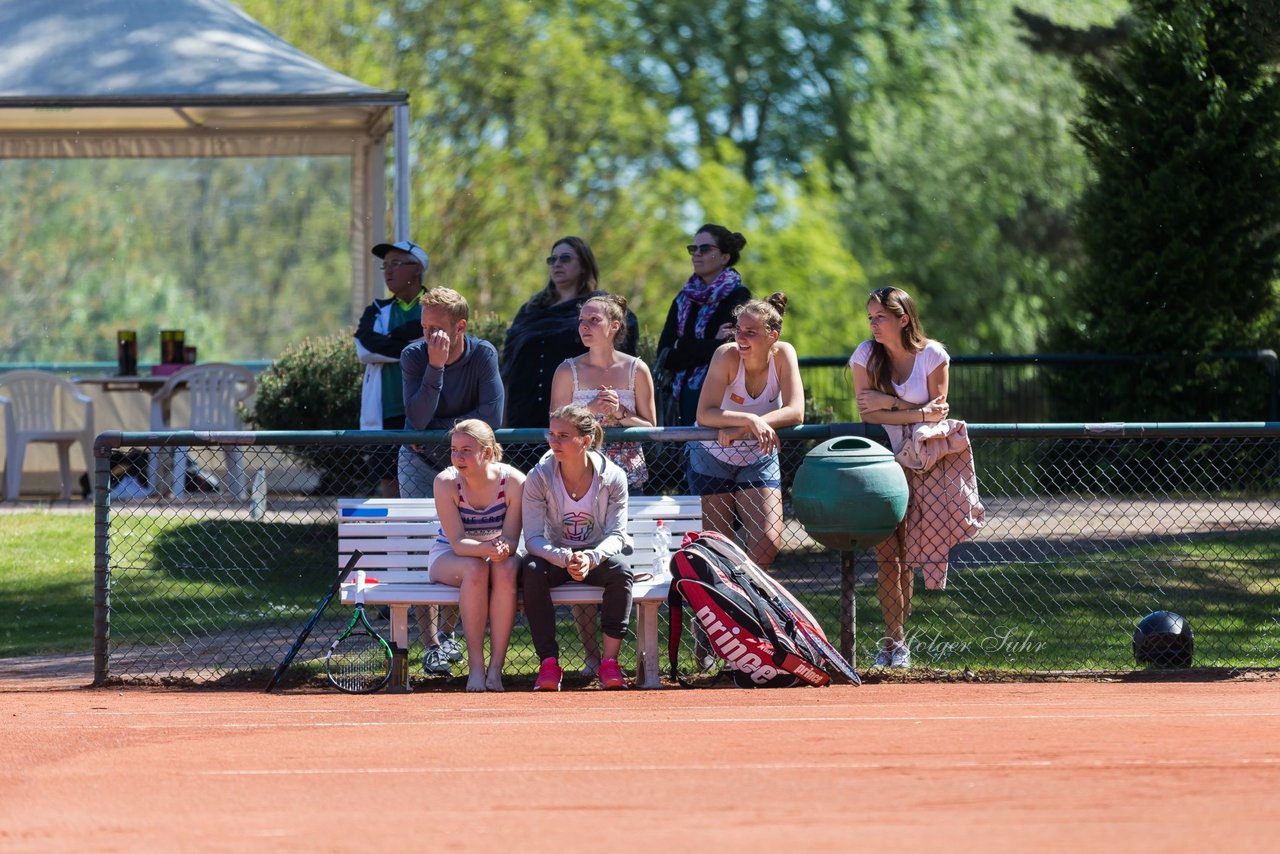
675	625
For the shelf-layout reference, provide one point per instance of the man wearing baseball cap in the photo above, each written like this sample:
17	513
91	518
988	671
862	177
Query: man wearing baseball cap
385	329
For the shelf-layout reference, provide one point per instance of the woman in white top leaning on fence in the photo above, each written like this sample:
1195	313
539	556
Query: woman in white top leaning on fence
478	502
901	378
752	389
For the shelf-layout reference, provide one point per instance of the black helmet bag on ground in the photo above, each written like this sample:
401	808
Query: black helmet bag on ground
1163	639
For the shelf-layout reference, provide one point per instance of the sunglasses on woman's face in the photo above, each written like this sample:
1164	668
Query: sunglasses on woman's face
562	258
701	248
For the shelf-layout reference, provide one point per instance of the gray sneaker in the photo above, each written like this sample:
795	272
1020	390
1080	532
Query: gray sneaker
434	662
449	646
883	658
900	656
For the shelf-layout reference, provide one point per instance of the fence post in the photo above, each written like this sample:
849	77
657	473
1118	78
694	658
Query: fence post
101	558
848	611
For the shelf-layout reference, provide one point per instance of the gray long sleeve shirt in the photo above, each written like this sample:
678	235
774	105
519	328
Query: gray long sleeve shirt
437	398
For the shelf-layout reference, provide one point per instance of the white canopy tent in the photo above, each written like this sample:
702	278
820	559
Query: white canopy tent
194	78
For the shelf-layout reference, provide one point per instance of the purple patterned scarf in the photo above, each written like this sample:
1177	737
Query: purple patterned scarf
707	298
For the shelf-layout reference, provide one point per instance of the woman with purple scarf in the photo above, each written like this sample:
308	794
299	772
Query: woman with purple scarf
700	320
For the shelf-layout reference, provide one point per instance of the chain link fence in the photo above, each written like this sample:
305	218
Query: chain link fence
206	572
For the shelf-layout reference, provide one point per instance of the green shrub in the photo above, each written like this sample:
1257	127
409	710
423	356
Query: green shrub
316	385
491	328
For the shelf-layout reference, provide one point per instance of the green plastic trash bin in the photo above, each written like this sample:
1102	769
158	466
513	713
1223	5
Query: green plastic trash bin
849	493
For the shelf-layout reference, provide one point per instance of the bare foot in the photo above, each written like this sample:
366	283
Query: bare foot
493	681
475	682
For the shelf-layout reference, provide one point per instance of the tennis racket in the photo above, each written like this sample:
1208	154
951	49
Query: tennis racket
306	630
359	661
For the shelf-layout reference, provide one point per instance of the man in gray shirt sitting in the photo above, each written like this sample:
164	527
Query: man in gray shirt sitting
448	376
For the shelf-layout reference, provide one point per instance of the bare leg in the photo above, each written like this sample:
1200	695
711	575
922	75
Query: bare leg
889	589
717	513
427	616
907	580
390	488
502	616
471	576
761	512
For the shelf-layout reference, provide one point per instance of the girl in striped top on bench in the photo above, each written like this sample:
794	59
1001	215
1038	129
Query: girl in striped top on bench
478	502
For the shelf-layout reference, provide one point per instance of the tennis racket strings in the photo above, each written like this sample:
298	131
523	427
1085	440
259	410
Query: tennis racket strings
359	661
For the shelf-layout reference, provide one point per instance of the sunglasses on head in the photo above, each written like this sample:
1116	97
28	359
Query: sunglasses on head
562	258
701	248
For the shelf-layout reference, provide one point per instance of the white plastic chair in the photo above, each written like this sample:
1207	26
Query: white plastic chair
37	408
214	389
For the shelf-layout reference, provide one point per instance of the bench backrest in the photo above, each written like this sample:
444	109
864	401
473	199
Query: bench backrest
397	533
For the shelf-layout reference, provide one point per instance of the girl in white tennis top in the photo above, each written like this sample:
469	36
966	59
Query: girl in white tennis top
752	389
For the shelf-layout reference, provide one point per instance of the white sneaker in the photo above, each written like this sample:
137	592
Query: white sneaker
449	647
434	662
900	656
882	658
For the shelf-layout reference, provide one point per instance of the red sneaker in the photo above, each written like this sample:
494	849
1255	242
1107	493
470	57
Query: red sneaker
611	675
549	675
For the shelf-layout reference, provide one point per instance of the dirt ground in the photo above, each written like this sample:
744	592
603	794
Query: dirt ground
1121	766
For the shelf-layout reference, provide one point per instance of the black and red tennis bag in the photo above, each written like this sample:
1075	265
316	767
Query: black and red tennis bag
763	634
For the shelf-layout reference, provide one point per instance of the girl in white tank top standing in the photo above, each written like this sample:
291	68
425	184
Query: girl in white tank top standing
617	390
752	390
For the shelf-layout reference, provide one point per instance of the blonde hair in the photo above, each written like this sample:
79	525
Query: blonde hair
453	303
582	420
482	433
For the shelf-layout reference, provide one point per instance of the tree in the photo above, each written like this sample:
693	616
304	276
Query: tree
967	186
780	80
1182	225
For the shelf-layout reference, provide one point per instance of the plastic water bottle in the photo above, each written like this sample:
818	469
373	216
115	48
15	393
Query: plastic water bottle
661	550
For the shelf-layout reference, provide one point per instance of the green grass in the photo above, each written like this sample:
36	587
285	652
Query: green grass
1080	614
175	579
46	582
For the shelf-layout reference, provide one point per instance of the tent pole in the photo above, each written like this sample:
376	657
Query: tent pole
401	130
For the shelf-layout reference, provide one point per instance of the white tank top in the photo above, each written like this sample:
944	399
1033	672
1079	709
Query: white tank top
746	451
583	396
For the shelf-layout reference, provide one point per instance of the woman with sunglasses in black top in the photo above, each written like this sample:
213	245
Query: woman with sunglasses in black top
545	333
700	320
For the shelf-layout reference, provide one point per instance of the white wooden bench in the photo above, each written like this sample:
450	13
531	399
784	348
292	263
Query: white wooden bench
395	535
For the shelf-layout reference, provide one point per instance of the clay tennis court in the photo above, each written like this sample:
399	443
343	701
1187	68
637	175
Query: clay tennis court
1133	766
